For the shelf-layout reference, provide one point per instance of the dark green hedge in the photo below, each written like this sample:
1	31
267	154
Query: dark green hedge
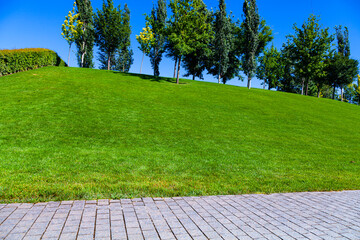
18	60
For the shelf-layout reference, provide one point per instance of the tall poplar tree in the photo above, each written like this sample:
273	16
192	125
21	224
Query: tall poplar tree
108	28
85	40
124	52
157	22
223	43
254	38
349	68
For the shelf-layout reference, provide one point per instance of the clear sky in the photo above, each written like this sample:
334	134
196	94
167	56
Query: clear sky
37	23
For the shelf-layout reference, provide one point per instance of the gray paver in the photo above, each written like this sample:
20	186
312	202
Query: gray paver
317	215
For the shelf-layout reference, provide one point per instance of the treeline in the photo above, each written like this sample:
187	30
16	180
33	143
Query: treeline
108	28
312	61
199	39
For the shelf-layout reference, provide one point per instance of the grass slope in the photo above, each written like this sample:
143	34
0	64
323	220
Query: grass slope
68	133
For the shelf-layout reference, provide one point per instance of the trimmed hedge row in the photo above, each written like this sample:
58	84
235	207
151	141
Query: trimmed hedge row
18	60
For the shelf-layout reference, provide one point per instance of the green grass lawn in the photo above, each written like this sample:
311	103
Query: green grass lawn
68	133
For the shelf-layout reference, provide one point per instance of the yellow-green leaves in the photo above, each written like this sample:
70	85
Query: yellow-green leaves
71	28
146	40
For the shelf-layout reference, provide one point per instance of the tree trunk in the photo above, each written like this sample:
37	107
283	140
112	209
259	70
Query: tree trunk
302	86
178	71
269	87
318	94
264	84
193	77
219	70
176	59
83	55
249	82
307	88
342	93
142	61
69	55
109	57
334	92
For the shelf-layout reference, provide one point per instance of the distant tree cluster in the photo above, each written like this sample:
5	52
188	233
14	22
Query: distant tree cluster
312	62
313	66
199	39
109	28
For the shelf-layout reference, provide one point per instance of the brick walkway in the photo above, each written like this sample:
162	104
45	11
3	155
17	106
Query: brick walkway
278	216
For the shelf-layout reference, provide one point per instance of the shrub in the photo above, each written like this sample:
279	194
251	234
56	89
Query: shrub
18	60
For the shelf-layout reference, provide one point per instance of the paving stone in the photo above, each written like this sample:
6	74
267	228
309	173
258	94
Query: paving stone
333	215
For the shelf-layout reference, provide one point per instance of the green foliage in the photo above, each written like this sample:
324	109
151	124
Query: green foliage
188	28
270	67
254	37
70	133
13	61
223	61
195	61
124	53
308	49
124	59
343	41
112	29
108	24
157	23
350	93
85	41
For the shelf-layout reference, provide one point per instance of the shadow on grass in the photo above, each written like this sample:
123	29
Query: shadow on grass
149	77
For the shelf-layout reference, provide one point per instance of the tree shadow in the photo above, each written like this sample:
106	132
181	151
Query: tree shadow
149	77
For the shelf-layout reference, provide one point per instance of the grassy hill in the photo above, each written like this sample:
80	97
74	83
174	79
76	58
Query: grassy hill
68	133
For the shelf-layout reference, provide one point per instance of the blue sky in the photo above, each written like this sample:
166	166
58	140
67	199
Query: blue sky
37	23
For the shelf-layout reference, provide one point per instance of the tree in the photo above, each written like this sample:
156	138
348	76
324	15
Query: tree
309	47
349	67
124	60
157	22
288	81
108	30
254	38
124	51
70	29
357	90
270	69
349	94
341	71
195	61
186	28
222	44
145	39
85	39
170	53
